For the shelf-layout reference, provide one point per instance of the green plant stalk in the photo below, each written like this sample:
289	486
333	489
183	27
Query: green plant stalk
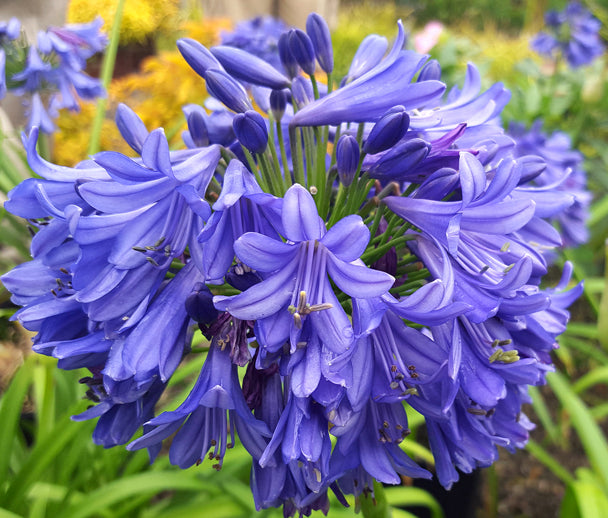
107	70
602	317
548	460
286	174
591	436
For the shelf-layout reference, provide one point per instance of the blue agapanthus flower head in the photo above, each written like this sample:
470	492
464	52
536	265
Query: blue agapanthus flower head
50	75
340	254
259	37
573	33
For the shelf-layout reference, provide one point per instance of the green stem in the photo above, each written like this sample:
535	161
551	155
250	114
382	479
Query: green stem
107	70
315	86
286	173
296	154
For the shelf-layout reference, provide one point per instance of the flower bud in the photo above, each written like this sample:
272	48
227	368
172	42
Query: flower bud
199	305
398	161
131	127
389	130
227	90
247	67
430	71
302	50
318	32
197	56
250	129
347	158
287	58
278	103
198	129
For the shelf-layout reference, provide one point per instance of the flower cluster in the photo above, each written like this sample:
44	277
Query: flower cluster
50	74
357	251
573	33
258	36
564	172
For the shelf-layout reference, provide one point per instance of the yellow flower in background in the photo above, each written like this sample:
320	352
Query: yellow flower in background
141	18
156	93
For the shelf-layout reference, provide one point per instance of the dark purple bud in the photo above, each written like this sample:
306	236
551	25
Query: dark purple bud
389	130
199	305
302	50
347	158
250	129
241	277
395	163
368	55
278	103
431	71
197	56
318	31
247	67
301	89
287	58
227	90
198	129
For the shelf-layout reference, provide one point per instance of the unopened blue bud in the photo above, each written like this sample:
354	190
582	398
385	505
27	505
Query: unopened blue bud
398	160
347	158
287	58
131	127
389	130
199	305
431	71
198	129
247	67
227	90
278	103
197	56
318	31
302	50
250	129
301	89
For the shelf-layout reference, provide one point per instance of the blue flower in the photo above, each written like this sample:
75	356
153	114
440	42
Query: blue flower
202	420
357	102
563	173
296	286
259	37
573	32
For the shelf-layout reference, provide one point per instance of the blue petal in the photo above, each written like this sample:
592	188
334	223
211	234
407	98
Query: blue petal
263	299
357	280
300	218
347	239
263	253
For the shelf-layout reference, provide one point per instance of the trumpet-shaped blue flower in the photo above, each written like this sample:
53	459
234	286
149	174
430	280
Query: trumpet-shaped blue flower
296	286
